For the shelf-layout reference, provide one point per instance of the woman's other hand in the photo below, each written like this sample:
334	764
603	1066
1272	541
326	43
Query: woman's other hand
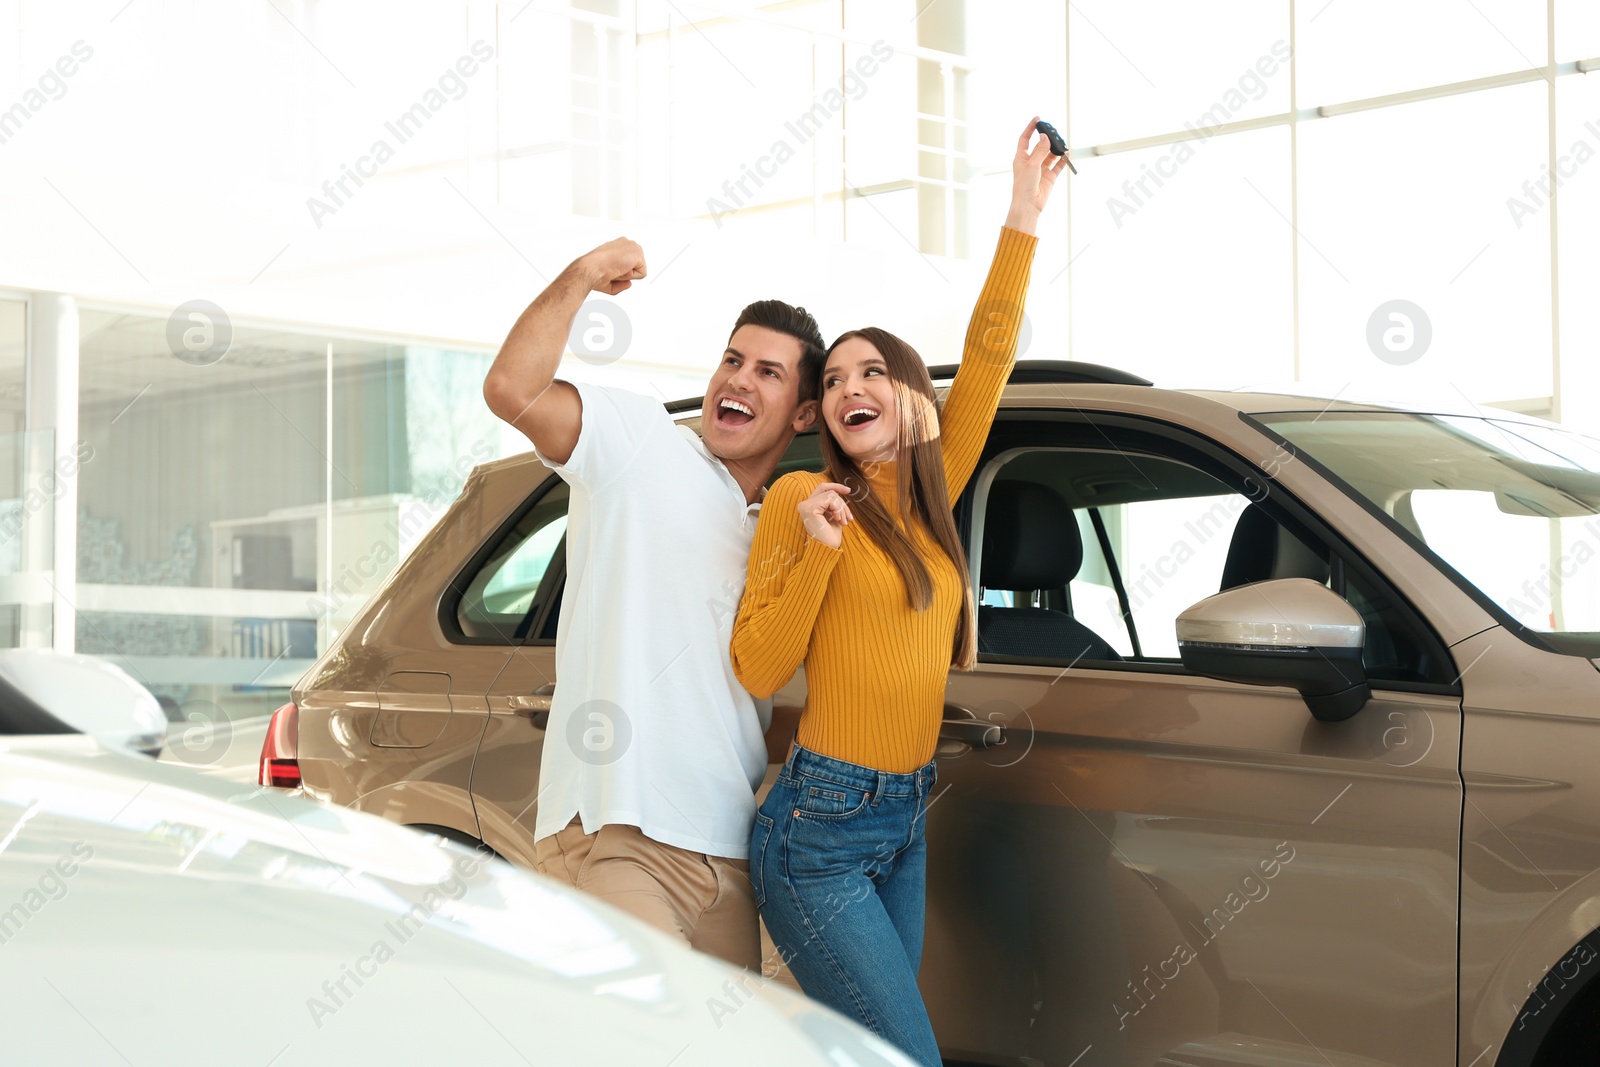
825	514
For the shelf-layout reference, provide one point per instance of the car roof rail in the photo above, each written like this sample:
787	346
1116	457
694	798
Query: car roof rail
1033	372
1054	372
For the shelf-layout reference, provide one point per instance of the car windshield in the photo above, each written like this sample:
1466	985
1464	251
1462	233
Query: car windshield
1513	506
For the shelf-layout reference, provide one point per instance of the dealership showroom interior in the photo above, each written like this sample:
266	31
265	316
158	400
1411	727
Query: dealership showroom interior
659	533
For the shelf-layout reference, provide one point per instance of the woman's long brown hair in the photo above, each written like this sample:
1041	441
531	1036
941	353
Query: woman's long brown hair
921	491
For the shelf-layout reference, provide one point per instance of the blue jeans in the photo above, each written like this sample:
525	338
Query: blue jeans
839	865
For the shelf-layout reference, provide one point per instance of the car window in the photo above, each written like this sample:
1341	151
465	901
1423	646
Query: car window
1394	650
1170	553
1508	506
515	594
1090	554
1101	548
520	577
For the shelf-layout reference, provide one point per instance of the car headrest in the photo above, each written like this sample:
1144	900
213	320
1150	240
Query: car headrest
1261	549
1030	538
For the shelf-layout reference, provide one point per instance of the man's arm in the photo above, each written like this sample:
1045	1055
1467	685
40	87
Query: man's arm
521	386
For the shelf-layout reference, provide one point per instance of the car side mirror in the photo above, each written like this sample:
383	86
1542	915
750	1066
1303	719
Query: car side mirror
1288	631
47	692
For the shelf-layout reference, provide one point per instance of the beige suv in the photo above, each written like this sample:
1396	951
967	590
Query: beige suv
1283	745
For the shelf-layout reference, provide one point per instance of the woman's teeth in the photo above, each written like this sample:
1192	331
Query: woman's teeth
857	416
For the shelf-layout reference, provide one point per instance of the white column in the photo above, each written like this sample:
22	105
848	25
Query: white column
50	483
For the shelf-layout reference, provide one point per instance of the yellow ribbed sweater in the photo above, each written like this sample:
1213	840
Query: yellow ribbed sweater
876	669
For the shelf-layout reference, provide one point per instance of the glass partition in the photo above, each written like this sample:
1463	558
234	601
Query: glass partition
227	530
17	534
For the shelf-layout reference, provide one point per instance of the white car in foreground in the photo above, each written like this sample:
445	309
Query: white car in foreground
152	915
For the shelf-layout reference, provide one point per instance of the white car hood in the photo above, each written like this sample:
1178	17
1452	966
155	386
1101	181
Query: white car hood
151	915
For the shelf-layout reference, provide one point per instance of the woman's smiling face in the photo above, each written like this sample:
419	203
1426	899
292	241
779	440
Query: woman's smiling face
858	401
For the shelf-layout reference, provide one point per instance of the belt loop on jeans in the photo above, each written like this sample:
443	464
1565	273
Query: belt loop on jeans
878	790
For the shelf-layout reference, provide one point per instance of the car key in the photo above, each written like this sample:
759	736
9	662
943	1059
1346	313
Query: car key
1057	145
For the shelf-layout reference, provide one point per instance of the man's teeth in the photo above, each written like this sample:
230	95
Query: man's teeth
734	405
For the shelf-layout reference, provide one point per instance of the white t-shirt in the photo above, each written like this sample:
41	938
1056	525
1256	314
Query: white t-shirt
649	725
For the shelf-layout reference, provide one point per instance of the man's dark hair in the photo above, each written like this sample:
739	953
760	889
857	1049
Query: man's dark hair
797	323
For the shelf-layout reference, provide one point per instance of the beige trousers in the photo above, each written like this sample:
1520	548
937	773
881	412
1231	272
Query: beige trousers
707	901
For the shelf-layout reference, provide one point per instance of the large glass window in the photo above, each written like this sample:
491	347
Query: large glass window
1352	49
563	130
1208	64
228	530
1577	30
1415	274
18	515
1578	170
1182	261
776	96
601	54
831	122
13	363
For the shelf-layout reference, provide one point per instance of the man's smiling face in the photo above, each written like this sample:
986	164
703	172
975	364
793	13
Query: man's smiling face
753	399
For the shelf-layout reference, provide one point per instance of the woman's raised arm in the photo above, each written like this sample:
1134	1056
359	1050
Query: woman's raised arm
991	348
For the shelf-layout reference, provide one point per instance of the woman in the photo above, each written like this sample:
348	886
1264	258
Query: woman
859	573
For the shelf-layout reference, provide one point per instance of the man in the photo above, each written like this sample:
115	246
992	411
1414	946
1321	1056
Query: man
654	750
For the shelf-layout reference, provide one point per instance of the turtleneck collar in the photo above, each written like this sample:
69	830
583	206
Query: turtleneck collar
883	478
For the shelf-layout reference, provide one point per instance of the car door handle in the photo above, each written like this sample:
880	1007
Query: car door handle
963	726
534	706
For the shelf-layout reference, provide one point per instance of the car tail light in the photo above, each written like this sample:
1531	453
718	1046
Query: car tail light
280	752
